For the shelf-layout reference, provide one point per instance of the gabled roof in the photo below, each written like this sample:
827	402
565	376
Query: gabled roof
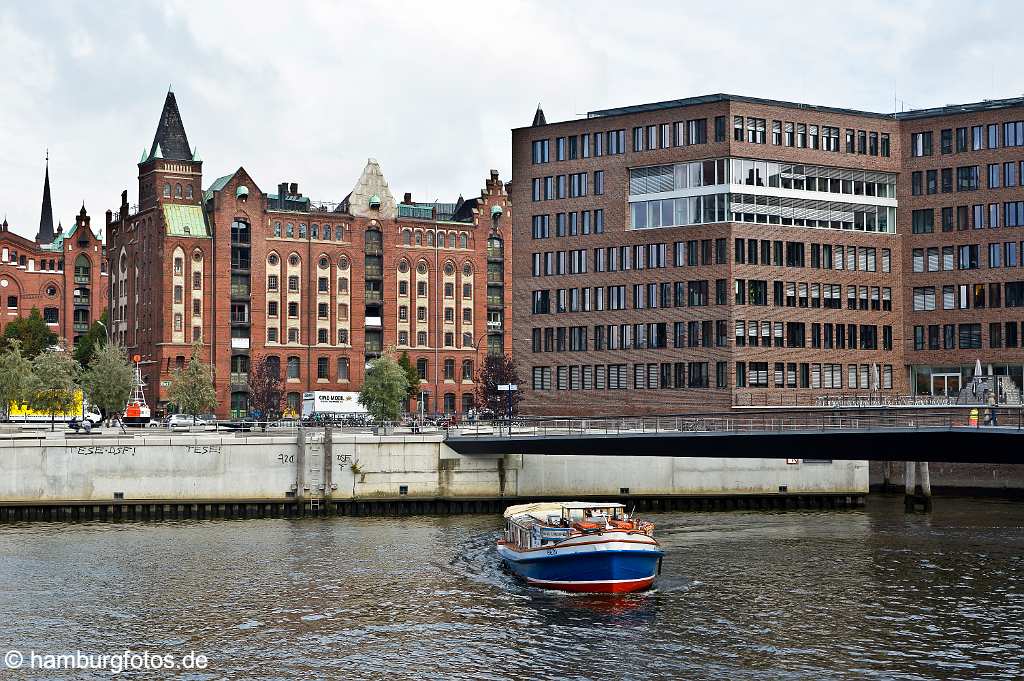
170	141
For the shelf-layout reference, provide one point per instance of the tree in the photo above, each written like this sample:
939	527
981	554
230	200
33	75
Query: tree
33	333
411	375
192	387
110	379
15	377
266	391
94	338
384	389
54	386
497	370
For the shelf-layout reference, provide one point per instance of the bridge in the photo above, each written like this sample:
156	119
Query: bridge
884	434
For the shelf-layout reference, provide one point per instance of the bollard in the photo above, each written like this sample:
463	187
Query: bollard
926	486
908	484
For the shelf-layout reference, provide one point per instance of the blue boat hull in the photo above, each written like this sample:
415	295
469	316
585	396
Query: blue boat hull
613	570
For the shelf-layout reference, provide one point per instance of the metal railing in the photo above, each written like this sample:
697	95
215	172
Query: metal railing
797	398
973	416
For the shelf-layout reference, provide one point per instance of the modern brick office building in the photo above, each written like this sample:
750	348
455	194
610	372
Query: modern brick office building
961	211
61	273
321	288
705	253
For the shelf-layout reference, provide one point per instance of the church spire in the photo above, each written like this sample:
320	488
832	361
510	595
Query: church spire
170	140
538	118
45	234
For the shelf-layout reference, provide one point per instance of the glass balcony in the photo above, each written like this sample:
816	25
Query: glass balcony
81	327
495	300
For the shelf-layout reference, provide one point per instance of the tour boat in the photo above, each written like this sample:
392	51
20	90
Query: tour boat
580	546
136	411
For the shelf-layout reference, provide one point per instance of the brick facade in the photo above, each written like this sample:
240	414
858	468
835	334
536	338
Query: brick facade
62	274
794	365
323	278
963	251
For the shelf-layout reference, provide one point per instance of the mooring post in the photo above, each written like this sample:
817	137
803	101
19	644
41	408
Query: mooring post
908	483
328	460
300	466
926	486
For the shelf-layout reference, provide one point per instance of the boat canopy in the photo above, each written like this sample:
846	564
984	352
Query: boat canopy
541	510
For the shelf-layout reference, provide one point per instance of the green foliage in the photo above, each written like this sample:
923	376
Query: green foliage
384	389
497	370
15	376
55	374
94	338
411	375
32	332
192	387
110	378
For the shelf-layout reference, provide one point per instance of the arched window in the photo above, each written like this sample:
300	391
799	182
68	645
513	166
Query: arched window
419	238
430	238
197	281
327	232
293	367
449	403
421	368
342	336
314	231
274	365
277	229
167	190
406	237
464	241
451	240
188	192
342	284
82	269
343	368
177	191
467	370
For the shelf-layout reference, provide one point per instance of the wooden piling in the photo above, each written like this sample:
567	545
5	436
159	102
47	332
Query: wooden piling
908	485
926	486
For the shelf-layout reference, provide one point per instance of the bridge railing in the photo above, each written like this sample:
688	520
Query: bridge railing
751	422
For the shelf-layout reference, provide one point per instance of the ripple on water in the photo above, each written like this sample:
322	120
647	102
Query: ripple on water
743	595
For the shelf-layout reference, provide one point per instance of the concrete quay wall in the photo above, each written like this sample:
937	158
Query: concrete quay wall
209	469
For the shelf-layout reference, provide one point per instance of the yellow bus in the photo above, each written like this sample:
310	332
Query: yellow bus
81	409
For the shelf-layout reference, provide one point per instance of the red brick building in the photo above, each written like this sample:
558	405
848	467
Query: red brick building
319	287
961	213
63	274
706	253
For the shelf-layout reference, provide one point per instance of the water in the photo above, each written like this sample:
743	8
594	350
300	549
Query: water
816	595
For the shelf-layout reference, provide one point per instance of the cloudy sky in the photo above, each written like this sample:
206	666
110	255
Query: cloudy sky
305	92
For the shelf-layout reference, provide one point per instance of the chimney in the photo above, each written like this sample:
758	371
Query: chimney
293	189
407	198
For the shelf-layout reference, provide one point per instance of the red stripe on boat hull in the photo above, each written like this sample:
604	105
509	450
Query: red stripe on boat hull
614	587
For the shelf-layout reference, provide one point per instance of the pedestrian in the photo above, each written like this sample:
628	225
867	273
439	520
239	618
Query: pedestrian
992	404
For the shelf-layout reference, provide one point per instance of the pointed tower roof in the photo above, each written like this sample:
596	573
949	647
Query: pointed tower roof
170	140
45	233
538	118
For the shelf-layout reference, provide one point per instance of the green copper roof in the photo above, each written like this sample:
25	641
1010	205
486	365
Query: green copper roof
184	220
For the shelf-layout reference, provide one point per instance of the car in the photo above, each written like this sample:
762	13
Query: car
184	422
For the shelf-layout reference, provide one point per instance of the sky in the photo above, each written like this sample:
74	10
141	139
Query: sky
306	91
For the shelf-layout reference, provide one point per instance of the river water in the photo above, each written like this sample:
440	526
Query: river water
743	595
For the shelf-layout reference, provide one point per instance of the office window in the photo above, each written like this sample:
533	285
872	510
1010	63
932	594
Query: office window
920	143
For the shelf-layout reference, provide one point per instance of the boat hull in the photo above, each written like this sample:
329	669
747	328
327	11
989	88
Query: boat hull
600	564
